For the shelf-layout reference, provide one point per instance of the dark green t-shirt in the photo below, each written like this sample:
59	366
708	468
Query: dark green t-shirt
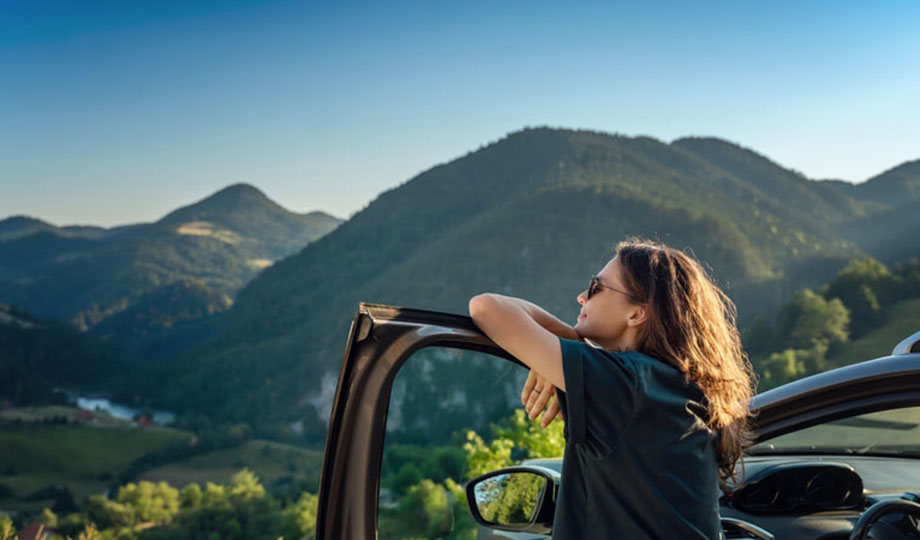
639	461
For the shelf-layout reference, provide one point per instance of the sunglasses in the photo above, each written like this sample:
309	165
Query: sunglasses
595	287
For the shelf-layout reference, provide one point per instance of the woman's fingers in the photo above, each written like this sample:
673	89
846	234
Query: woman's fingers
535	396
551	412
528	387
535	393
541	401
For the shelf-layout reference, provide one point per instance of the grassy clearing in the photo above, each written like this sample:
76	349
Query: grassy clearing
271	462
82	458
903	320
85	458
50	412
38	413
78	452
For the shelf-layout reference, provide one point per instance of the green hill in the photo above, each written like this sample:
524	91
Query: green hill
893	187
533	215
85	275
21	226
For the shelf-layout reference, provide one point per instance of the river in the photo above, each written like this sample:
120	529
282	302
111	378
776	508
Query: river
121	411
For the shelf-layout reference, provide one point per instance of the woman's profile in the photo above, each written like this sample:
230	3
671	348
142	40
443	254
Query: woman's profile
653	386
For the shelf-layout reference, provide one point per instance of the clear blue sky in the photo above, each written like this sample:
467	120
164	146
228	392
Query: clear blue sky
119	111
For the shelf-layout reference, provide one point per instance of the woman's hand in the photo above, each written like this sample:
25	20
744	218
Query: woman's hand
536	394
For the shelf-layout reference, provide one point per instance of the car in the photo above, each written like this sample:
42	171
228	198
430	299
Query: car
836	454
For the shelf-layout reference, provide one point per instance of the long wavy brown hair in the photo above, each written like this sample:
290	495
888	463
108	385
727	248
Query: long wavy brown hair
691	325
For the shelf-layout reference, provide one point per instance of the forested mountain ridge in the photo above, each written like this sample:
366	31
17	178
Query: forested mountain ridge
891	232
244	210
896	186
85	275
15	227
532	215
796	193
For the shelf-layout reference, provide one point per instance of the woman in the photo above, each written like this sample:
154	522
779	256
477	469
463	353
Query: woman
653	386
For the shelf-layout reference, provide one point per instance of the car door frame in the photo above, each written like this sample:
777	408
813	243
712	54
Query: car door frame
382	338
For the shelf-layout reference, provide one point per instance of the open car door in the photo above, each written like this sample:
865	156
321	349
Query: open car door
380	340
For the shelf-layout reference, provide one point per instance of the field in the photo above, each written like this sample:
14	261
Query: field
273	463
34	455
84	458
903	320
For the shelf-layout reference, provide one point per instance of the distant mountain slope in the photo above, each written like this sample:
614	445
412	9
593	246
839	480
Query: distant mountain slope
891	235
220	242
21	226
890	230
795	193
893	187
532	215
242	213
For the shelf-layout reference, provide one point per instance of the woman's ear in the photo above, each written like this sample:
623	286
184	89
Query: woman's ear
637	316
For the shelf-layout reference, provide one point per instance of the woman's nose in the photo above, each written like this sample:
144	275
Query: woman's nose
582	298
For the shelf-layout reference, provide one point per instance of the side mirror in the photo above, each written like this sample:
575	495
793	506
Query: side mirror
516	499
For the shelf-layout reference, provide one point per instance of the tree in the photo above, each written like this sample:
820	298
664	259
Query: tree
152	503
300	518
819	321
482	458
7	531
190	497
48	518
108	514
809	319
427	503
530	437
782	367
865	286
245	486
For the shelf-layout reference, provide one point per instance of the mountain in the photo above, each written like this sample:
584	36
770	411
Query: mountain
242	214
531	215
21	226
891	231
85	275
893	187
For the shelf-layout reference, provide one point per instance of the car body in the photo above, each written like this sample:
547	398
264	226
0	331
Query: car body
381	338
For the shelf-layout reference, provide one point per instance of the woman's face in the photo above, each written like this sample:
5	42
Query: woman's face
609	317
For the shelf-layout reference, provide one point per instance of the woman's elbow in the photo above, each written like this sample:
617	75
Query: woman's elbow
481	304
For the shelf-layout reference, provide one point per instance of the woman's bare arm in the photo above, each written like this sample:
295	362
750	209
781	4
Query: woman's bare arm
525	330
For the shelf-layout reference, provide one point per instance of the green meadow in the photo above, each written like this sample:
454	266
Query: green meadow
38	457
903	319
34	455
274	463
